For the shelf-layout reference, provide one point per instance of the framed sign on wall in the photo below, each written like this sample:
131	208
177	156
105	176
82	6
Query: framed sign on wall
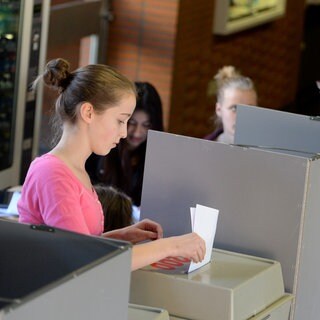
237	15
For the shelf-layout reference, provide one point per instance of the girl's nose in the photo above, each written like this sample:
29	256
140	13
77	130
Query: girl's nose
124	132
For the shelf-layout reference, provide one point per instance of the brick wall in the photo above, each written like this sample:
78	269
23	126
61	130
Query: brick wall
142	42
170	43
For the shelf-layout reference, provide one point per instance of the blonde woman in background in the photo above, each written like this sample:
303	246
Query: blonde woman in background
231	88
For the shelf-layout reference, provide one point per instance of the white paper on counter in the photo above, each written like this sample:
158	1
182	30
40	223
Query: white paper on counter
204	223
13	205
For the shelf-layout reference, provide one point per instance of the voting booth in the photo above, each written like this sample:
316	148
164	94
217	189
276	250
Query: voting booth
268	203
232	287
292	134
47	273
277	130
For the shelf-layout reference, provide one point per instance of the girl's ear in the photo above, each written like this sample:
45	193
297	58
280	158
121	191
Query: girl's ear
86	112
218	109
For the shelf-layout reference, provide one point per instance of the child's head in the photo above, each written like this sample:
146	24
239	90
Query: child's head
96	95
116	205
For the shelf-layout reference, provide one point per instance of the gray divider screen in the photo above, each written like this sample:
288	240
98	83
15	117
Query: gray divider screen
259	194
49	273
277	129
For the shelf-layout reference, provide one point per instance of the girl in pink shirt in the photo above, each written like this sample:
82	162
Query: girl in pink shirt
94	105
59	199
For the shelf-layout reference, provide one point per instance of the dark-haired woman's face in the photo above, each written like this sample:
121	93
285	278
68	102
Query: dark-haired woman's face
138	126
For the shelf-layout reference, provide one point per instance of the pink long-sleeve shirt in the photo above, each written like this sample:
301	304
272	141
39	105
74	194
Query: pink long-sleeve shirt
53	195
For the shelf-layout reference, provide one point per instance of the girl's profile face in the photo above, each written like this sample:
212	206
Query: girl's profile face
226	110
109	127
138	126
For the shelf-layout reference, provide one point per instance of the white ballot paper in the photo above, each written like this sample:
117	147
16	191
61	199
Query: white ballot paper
204	223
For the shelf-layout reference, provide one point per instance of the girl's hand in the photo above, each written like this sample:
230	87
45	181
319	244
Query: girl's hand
190	246
143	230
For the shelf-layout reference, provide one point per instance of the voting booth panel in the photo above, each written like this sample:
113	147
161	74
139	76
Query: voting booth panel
296	134
267	202
259	214
47	273
232	287
282	131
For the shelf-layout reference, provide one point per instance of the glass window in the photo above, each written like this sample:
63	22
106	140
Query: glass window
9	25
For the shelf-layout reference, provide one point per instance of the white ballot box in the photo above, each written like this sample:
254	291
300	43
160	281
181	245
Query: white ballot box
139	312
48	273
231	287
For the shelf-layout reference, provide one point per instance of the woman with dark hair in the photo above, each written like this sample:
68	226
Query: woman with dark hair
123	167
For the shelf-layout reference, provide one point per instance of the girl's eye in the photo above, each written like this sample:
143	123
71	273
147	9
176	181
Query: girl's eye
121	122
233	108
147	125
131	122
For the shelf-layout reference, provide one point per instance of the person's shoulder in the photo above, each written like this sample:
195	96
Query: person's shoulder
46	161
214	135
49	171
41	172
49	166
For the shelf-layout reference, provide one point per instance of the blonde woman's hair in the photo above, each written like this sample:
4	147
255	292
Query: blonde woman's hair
228	77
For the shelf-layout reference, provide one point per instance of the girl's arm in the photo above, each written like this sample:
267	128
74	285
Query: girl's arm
190	246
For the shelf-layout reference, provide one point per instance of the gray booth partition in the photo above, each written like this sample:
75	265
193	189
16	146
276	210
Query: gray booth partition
268	201
278	130
48	273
